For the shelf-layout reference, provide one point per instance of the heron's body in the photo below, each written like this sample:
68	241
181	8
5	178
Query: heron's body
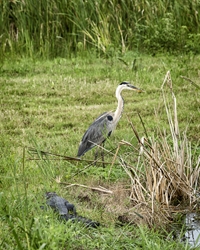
97	133
104	125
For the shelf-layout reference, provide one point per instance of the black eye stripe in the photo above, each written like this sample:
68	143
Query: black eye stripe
123	83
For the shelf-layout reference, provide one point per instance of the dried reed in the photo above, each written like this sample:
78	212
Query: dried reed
166	176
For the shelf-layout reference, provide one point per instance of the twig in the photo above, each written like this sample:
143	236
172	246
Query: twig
188	79
145	131
120	59
100	189
167	79
67	158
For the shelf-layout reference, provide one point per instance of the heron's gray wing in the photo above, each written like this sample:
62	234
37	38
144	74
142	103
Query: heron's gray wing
97	133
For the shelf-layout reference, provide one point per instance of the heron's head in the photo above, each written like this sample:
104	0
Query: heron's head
127	85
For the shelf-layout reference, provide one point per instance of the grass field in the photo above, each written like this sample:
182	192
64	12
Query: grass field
48	105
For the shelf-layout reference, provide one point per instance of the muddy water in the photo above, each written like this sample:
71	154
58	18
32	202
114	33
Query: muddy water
192	235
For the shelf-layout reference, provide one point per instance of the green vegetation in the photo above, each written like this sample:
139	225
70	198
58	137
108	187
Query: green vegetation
48	105
61	28
60	63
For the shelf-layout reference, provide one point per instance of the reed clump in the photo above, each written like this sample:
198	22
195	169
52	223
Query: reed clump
166	176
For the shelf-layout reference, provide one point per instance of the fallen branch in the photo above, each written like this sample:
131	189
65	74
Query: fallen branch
65	158
99	189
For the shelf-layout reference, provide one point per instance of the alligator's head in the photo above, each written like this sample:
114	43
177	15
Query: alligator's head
50	195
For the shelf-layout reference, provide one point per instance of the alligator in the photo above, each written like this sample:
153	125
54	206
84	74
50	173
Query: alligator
66	210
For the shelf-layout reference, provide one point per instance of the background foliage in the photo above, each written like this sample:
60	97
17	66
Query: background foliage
58	28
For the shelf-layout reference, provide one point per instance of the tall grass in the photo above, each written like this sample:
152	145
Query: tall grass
60	28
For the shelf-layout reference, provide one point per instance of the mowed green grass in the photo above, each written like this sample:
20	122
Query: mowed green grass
49	105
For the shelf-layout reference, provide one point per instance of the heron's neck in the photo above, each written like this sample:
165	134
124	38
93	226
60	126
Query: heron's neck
120	107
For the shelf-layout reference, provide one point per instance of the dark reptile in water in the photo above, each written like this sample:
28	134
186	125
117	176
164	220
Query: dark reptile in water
66	210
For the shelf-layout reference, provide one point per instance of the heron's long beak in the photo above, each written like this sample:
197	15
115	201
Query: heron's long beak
135	88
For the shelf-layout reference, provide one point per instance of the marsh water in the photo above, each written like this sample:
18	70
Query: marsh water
192	234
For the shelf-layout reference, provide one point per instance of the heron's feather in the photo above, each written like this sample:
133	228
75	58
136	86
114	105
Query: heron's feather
97	132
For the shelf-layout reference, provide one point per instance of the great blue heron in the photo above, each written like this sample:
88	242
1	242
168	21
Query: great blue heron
103	126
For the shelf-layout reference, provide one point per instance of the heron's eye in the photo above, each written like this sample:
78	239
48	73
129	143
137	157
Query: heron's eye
110	118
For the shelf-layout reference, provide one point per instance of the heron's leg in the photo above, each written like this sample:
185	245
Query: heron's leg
101	146
102	154
96	155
